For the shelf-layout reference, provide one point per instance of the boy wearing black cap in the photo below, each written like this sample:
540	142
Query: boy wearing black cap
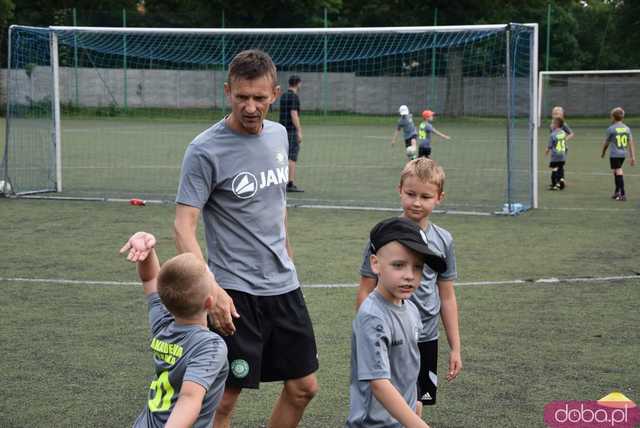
421	191
385	359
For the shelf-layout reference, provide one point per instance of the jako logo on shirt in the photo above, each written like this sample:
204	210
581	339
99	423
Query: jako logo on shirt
245	185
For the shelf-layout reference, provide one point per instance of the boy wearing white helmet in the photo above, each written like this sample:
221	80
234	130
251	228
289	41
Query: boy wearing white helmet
409	132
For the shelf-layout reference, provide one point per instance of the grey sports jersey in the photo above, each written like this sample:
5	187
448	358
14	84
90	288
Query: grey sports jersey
239	182
426	297
424	134
406	124
383	346
181	353
558	145
619	137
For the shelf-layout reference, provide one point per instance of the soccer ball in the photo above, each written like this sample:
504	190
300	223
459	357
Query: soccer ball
411	152
5	187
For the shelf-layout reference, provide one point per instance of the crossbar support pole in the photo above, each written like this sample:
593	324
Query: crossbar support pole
55	108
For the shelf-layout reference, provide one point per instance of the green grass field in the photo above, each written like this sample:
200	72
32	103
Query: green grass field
77	353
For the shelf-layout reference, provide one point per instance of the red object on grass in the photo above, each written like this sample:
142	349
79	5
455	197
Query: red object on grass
138	202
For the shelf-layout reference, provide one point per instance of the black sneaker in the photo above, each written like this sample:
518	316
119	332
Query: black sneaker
554	187
615	196
621	197
293	188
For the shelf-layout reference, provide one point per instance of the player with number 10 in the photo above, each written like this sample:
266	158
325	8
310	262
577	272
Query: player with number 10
619	140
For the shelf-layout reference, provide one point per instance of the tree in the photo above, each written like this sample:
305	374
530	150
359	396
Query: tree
6	14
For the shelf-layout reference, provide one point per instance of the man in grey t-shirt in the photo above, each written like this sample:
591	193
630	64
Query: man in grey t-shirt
236	173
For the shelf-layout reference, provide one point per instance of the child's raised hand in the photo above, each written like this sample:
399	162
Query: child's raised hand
139	246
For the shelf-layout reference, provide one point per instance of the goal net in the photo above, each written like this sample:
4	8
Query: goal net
108	112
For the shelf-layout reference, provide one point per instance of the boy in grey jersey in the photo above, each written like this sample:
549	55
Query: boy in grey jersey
405	123
385	359
190	361
558	113
619	139
557	147
235	174
421	190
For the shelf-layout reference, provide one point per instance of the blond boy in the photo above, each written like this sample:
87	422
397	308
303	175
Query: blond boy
190	361
421	191
557	113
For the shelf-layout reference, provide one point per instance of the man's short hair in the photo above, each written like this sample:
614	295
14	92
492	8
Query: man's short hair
617	114
250	65
182	285
294	80
426	170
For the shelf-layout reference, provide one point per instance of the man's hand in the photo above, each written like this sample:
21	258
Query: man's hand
139	246
300	137
223	312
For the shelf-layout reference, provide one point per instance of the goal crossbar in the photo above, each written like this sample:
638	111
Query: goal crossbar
335	30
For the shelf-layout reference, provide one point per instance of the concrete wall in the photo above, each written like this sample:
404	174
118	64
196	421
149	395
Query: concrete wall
204	89
580	95
592	95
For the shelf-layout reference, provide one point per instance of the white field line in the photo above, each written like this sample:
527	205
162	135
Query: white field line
347	285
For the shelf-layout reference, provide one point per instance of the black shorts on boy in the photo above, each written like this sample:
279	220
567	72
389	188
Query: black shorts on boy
616	163
557	164
408	141
428	376
424	151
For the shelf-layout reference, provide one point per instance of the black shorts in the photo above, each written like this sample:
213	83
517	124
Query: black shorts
424	151
616	163
428	376
294	146
556	164
408	141
274	339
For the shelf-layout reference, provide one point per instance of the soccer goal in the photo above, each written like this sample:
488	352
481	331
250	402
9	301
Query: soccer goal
589	93
108	112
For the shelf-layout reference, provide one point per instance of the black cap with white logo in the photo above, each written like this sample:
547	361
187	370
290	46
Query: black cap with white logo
408	234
